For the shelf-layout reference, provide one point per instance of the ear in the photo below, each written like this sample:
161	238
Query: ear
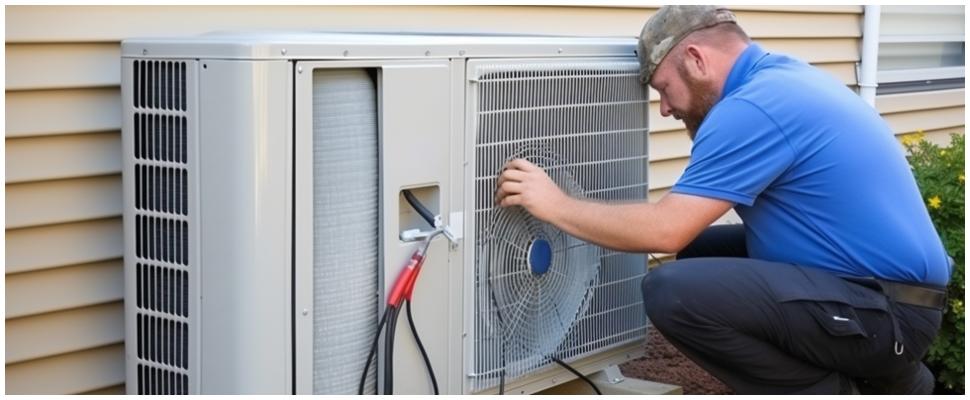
697	62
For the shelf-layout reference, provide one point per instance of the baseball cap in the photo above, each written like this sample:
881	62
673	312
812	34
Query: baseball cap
669	26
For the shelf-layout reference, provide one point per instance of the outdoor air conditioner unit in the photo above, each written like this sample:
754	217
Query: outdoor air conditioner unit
263	178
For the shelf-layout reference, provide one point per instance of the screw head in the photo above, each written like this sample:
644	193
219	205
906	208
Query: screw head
144	52
427	53
305	311
559	51
299	70
283	52
346	53
461	52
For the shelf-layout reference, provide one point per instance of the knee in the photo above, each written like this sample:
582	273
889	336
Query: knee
662	291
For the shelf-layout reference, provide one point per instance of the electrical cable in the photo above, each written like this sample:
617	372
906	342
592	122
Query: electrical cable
501	321
389	350
373	350
575	372
424	354
389	344
401	292
420	208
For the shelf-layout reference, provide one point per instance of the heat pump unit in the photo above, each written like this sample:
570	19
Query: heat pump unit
265	219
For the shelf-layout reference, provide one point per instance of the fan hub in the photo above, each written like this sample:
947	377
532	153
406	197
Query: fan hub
540	256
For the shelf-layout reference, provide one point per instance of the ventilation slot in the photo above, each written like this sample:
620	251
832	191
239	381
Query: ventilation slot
160	137
152	380
161	239
160	85
162	268
162	189
586	124
163	341
164	290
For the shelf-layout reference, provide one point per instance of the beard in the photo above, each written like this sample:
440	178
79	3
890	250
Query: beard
703	97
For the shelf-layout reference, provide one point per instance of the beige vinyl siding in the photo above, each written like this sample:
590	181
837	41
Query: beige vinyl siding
65	200
936	113
77	155
55	246
118	389
63	111
72	372
94	24
64	288
64	237
38	66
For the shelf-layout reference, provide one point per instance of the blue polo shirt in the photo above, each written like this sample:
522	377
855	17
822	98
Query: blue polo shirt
815	173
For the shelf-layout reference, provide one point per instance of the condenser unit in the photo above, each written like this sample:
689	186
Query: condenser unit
264	218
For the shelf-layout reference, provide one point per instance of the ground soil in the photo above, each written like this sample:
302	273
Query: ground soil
664	363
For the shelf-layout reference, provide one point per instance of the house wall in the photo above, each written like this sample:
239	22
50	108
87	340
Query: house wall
64	286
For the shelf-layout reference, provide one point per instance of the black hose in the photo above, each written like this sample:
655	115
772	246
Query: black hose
575	372
413	201
389	351
373	350
424	354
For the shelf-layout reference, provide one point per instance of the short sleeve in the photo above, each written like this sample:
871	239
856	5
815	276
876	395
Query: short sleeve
737	153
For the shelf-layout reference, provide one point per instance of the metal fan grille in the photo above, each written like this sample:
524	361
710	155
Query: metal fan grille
585	123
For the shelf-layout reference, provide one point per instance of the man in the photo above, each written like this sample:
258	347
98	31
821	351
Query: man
835	281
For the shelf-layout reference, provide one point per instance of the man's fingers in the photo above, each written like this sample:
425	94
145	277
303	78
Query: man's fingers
510	184
511	175
511	187
509	201
506	189
521	164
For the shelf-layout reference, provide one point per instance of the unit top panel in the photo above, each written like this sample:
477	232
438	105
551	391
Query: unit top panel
285	45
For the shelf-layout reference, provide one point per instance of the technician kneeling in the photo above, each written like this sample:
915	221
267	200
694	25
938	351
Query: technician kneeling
835	282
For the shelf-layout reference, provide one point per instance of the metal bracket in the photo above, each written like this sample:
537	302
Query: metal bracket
415	235
613	374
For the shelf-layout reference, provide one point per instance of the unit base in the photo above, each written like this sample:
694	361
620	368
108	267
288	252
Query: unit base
611	381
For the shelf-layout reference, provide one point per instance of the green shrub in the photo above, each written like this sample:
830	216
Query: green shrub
940	175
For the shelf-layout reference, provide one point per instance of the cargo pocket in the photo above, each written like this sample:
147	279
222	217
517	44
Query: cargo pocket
837	319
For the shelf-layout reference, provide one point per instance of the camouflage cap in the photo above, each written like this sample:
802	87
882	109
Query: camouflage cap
669	26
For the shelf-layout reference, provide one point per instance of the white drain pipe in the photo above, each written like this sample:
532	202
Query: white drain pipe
868	80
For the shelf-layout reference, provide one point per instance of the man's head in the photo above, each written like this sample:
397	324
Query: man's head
686	53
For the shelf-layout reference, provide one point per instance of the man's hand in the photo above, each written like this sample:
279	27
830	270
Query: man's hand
522	183
665	226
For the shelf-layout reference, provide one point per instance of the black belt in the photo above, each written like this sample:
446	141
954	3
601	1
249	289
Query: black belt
906	293
922	296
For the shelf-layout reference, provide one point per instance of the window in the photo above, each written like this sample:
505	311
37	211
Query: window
921	48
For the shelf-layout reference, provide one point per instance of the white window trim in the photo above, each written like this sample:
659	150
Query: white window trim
920	74
920	38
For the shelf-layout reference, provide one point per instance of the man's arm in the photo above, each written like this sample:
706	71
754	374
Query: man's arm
666	226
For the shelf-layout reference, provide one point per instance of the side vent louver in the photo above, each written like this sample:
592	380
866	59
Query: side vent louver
160	122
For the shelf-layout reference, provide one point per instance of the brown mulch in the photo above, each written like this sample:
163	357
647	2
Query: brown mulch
664	363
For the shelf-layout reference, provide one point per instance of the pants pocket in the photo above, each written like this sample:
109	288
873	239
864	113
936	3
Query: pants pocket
837	319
